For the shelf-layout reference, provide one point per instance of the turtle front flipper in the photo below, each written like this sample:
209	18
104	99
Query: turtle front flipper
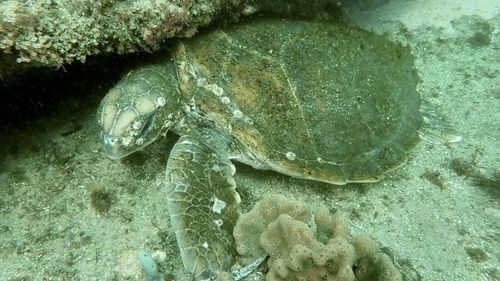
202	203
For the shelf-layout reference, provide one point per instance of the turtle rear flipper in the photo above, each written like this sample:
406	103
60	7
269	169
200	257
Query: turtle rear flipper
202	203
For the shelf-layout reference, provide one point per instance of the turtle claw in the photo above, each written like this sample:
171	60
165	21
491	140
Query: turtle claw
248	269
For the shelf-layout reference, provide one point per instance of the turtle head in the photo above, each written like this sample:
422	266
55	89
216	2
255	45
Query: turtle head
138	110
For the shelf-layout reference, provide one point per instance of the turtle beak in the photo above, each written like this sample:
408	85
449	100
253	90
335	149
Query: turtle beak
112	147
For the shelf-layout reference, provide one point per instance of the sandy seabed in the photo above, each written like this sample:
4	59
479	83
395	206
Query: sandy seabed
438	216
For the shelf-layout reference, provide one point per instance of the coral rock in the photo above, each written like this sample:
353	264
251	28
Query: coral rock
278	226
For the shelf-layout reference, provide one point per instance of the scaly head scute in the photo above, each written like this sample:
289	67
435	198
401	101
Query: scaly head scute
142	106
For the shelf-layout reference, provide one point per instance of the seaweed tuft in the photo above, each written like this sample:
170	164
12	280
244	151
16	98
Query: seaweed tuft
101	200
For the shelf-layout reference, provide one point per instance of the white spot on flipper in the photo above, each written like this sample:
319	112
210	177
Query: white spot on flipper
290	155
205	245
180	188
219	223
218	205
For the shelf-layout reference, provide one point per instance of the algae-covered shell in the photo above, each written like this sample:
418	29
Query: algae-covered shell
312	100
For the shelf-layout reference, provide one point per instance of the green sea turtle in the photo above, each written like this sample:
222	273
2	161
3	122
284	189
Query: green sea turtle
311	100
